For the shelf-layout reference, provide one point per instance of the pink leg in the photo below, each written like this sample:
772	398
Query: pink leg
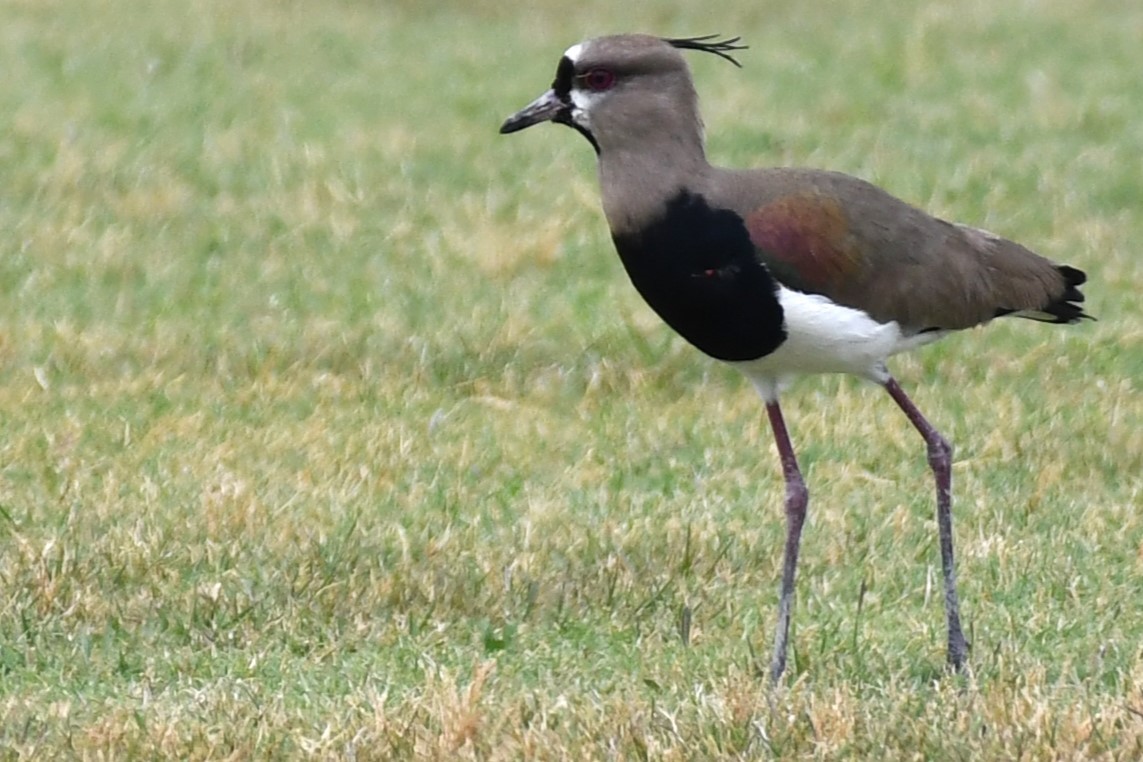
797	498
940	460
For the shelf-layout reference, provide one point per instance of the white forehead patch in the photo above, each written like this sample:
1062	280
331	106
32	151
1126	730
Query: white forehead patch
573	53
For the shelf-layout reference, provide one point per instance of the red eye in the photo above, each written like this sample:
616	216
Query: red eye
598	79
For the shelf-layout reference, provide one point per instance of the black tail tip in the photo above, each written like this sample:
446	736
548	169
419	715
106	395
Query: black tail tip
1073	276
1064	309
1073	279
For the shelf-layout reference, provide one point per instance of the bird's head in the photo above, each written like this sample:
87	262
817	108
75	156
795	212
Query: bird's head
623	88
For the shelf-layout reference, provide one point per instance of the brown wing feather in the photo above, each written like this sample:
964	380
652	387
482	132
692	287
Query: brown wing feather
836	235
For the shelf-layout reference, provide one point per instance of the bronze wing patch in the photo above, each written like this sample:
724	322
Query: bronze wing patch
805	239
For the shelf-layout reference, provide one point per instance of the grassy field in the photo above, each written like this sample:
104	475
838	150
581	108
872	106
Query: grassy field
332	428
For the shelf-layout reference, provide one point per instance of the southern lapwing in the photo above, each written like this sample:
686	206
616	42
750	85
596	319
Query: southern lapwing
784	271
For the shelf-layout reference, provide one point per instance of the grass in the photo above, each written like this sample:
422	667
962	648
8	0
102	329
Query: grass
332	427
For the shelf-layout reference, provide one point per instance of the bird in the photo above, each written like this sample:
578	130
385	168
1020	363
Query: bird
784	271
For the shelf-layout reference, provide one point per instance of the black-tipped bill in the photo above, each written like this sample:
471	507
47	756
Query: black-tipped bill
543	109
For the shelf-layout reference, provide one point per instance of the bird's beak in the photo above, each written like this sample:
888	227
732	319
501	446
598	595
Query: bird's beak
543	109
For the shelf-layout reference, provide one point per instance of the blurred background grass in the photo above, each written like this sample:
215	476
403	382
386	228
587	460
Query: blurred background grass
332	426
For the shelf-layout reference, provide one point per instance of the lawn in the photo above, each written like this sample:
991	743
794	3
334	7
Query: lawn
332	427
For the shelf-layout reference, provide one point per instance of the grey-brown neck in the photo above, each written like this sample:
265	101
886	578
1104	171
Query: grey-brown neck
636	181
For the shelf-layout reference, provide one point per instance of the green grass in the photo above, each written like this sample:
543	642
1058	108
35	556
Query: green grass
331	426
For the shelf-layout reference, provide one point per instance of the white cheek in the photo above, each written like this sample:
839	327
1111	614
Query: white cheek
581	100
583	103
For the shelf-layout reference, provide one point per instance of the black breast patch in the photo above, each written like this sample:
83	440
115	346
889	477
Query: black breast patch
697	269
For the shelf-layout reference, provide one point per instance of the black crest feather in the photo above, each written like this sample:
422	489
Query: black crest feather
709	43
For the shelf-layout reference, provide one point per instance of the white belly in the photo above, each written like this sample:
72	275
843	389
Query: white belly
825	337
